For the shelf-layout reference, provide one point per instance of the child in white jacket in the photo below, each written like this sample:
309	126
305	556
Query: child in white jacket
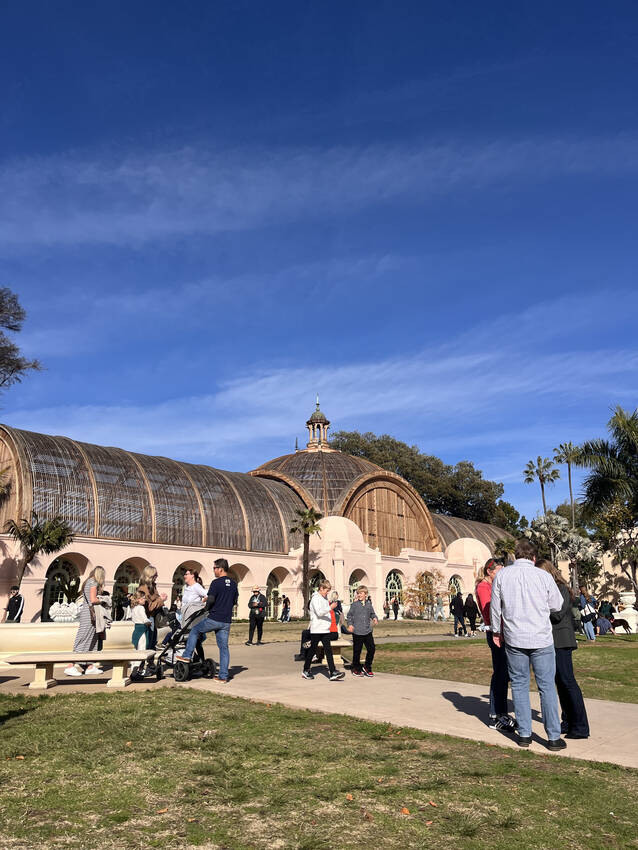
320	623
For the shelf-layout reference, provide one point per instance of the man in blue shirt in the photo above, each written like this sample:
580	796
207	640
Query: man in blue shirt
222	598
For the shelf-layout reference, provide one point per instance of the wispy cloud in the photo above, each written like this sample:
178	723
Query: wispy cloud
462	394
76	200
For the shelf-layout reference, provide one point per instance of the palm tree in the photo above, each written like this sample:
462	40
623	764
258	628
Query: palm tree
307	524
614	464
568	453
39	537
546	473
503	548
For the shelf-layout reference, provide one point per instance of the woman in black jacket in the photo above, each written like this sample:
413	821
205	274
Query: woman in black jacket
574	722
470	610
457	609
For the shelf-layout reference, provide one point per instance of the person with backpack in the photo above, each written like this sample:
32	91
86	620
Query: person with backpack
471	611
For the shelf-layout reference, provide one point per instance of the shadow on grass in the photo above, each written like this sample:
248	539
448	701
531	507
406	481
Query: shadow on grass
478	707
15	712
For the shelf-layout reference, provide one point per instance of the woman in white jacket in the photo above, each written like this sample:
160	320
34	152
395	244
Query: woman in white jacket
320	622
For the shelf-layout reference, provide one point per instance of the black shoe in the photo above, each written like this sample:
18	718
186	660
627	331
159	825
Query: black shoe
524	740
558	744
260	643
576	736
337	676
306	674
249	643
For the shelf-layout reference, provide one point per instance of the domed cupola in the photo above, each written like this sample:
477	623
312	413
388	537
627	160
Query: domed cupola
317	426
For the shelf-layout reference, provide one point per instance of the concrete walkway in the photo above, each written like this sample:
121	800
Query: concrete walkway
268	673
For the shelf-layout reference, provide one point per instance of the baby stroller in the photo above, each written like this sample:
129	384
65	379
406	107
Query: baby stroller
172	645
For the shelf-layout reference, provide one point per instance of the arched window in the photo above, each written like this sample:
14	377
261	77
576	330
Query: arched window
454	587
356	579
272	595
62	584
125	582
394	586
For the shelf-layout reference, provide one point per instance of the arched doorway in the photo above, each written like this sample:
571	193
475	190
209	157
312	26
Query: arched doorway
272	596
358	577
394	586
125	582
315	580
62	584
454	587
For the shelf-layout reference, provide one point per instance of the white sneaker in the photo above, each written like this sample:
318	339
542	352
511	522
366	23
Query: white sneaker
72	671
94	670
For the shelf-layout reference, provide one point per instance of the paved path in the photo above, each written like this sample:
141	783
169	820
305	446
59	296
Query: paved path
269	673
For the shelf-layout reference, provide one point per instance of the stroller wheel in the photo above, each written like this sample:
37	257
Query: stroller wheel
137	675
181	673
160	672
209	668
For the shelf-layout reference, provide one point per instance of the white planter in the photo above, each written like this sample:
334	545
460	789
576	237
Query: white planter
64	612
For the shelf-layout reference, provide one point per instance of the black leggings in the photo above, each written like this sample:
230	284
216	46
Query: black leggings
315	640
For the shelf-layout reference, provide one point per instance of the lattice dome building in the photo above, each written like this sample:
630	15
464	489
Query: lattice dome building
128	510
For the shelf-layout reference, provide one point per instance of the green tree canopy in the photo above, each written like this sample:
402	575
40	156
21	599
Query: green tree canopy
12	364
458	490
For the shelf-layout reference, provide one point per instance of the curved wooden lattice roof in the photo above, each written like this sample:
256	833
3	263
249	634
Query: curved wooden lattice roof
325	475
111	493
451	528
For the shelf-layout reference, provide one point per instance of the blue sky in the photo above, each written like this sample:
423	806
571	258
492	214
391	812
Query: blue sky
425	212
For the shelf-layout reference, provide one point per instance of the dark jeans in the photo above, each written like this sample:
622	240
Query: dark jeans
500	677
324	640
459	622
255	622
358	642
573	712
471	618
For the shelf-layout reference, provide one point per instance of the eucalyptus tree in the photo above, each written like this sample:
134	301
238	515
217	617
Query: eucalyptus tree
568	454
307	523
39	536
545	471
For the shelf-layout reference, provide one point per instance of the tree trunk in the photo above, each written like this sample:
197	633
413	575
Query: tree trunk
305	573
574	571
543	496
571	494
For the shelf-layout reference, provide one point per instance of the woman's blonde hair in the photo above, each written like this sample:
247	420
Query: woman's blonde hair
99	575
149	575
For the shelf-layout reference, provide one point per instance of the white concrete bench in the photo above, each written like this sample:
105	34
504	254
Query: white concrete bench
120	659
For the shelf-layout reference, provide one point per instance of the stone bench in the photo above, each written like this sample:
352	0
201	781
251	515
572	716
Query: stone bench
337	648
44	662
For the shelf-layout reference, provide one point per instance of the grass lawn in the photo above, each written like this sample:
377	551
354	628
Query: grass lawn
606	669
178	768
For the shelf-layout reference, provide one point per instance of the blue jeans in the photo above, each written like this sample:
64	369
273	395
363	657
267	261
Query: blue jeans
589	630
222	630
459	621
543	662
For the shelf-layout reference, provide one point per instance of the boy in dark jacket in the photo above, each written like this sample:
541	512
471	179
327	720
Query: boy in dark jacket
361	619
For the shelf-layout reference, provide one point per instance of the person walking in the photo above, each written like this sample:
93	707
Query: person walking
457	609
574	721
386	609
257	608
86	639
470	610
588	606
285	610
361	620
522	599
499	716
438	613
395	607
320	623
15	606
222	598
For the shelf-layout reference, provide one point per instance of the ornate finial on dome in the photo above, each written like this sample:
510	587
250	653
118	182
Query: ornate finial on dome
317	426
296	444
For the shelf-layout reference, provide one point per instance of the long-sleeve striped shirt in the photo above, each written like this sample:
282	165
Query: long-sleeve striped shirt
522	598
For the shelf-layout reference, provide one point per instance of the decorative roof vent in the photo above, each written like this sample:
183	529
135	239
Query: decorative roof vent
317	426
